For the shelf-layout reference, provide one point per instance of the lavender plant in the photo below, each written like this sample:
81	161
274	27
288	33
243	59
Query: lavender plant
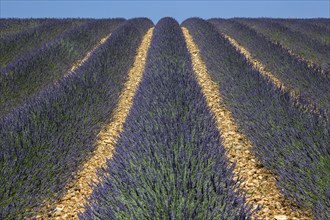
294	73
168	162
43	142
291	143
43	66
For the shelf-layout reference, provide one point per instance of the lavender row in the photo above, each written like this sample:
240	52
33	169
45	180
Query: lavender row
291	143
169	162
14	46
309	29
45	65
14	25
321	22
294	73
43	143
301	45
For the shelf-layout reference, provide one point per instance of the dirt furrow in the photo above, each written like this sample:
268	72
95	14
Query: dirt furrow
258	183
74	199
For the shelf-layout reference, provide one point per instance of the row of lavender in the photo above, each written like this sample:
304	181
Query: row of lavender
46	64
295	74
291	143
298	42
321	22
10	26
15	45
307	28
169	162
43	144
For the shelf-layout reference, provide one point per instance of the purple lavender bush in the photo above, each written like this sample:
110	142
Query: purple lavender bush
169	162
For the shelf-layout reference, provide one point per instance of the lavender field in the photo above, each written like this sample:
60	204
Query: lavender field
127	119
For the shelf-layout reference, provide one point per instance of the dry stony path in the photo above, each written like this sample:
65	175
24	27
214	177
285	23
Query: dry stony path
74	199
258	183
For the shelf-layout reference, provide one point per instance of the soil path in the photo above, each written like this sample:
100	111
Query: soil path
258	183
74	199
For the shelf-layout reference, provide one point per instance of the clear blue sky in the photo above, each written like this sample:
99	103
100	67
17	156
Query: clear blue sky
158	9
